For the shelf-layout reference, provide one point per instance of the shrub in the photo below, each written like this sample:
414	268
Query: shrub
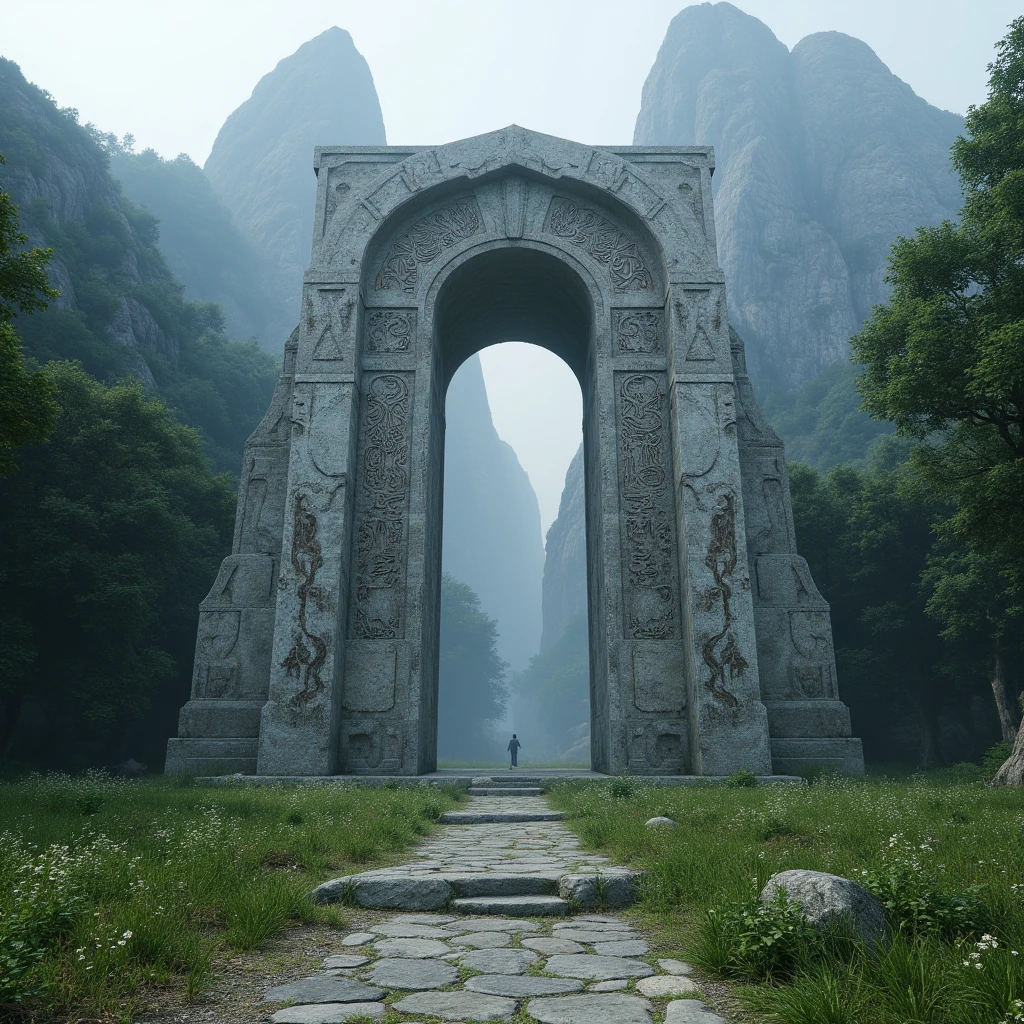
742	779
623	788
993	758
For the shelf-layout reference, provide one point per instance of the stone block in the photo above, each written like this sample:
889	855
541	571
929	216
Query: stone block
806	755
589	891
830	901
807	718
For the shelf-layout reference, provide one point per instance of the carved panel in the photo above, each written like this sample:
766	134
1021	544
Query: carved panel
649	563
601	240
390	330
637	330
328	318
514	192
810	666
382	505
424	241
699	315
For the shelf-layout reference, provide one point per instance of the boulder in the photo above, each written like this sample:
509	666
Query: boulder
830	901
659	822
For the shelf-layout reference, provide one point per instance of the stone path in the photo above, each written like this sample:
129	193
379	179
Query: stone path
503	945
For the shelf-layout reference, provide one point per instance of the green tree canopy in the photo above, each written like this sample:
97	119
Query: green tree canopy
26	403
109	536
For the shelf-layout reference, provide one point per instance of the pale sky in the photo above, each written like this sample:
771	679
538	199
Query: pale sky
171	72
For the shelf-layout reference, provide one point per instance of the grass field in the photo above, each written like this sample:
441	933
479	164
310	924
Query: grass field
946	857
108	886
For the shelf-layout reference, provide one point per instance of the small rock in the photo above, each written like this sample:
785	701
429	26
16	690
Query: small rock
358	939
411	949
622	947
465	1006
678	967
596	968
691	1011
614	890
616	985
830	901
614	1008
659	822
324	989
413	974
343	962
522	986
327	1013
499	961
663	985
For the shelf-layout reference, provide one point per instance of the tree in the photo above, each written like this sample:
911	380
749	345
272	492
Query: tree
471	678
26	403
109	536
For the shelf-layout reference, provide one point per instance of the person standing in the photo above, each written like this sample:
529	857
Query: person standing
513	747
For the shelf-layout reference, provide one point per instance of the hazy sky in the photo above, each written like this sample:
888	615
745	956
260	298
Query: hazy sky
171	72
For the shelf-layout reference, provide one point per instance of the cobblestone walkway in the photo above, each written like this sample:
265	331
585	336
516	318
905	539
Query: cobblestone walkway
590	968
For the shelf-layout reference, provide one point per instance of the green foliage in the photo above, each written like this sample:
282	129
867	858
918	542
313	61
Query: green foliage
993	758
471	676
164	876
26	404
117	519
742	779
623	787
755	940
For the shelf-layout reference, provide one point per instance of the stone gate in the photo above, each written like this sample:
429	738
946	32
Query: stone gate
710	647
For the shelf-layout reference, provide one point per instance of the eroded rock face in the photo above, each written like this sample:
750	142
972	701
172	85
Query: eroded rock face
830	901
823	158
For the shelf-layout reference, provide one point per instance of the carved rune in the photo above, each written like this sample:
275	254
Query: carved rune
302	661
382	504
602	240
638	330
649	543
425	240
721	559
390	330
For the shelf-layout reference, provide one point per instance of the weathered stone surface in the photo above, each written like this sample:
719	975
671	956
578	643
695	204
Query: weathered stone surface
549	946
617	889
461	1006
358	939
662	985
491	817
596	968
830	901
660	822
588	936
324	989
392	891
613	1008
528	906
499	961
522	986
691	1011
327	1013
345	962
413	949
413	974
483	940
679	967
623	947
493	924
401	930
615	985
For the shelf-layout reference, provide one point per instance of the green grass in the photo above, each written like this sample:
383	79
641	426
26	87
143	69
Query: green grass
109	886
945	854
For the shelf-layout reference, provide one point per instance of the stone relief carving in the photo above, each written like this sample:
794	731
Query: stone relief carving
425	240
603	241
638	330
514	192
810	670
648	546
382	503
330	314
309	651
710	416
720	650
700	317
390	330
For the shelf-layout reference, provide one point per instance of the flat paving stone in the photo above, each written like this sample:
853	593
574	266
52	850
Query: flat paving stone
613	1008
493	817
622	947
522	986
528	906
413	974
593	923
549	946
581	935
616	985
411	949
324	989
328	1013
358	939
662	986
499	961
492	924
596	968
461	1006
691	1011
670	966
400	930
345	962
437	919
483	940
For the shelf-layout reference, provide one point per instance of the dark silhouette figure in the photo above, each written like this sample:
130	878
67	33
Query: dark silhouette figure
513	747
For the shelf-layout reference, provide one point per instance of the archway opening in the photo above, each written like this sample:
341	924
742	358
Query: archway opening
517	324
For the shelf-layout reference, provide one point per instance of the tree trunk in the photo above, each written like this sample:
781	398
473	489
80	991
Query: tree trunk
1012	771
929	753
1007	719
11	707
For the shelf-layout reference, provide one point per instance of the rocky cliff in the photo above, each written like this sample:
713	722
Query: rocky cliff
823	158
262	168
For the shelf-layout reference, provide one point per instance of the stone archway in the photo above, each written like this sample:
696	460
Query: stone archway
421	257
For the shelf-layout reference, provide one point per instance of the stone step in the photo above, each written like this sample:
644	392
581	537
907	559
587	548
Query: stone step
508	780
489	817
512	906
505	791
